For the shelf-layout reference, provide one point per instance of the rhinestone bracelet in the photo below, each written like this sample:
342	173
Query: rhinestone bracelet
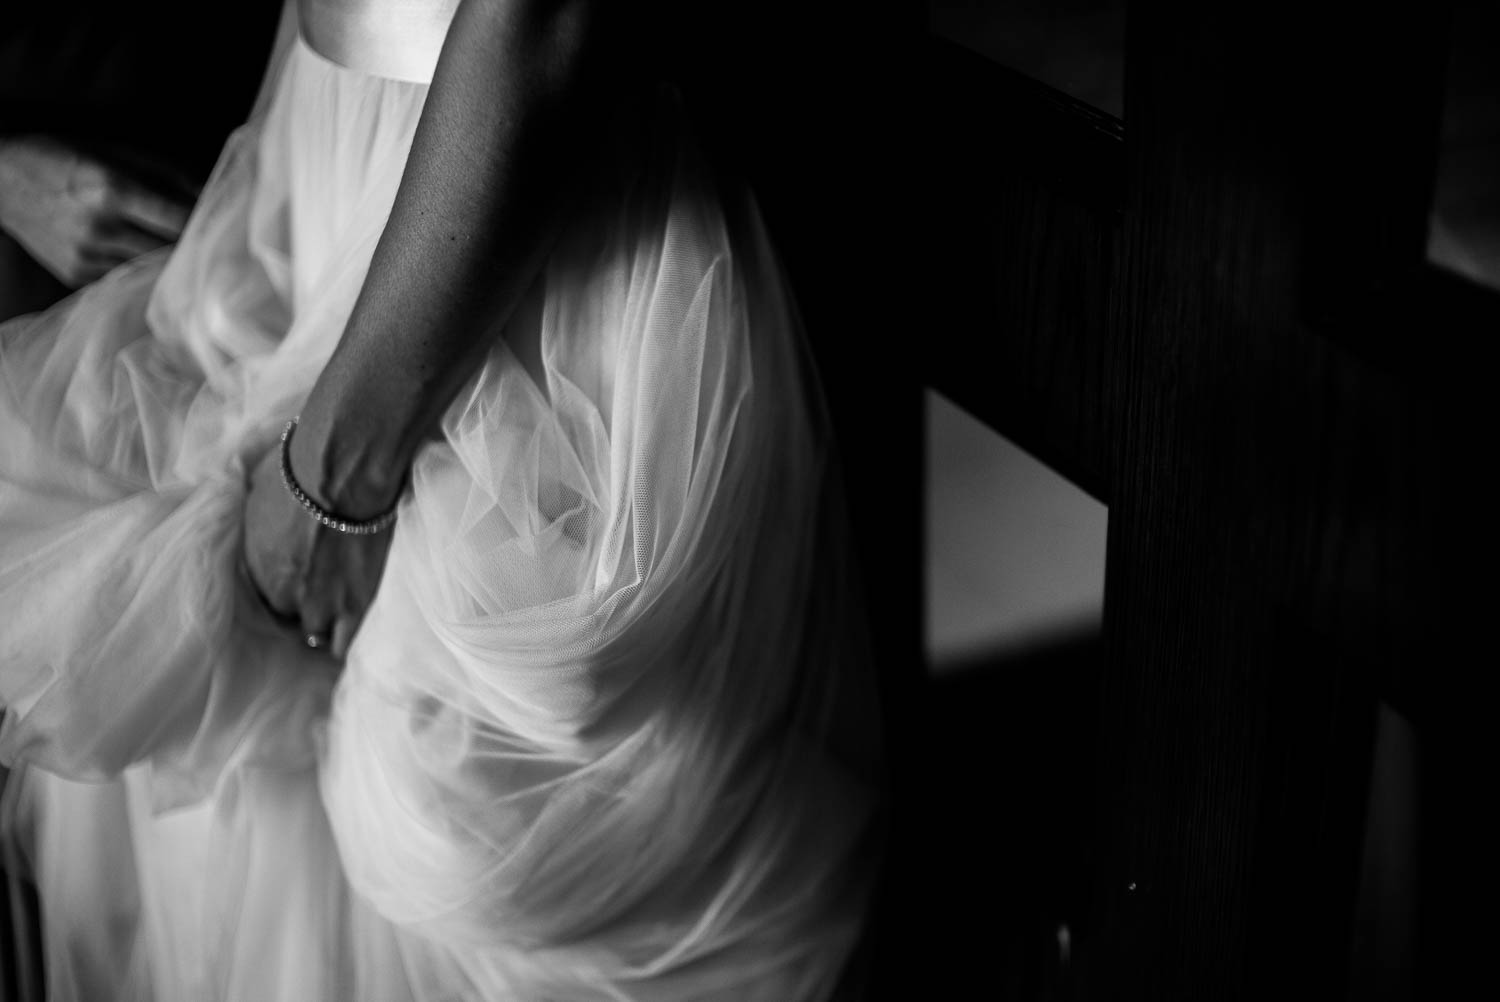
336	522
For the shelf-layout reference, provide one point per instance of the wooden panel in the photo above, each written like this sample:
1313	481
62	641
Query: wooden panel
1075	46
1023	217
1268	524
1367	286
1020	124
1368	194
1465	231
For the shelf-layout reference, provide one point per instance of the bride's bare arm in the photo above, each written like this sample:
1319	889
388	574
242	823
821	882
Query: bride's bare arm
513	106
517	102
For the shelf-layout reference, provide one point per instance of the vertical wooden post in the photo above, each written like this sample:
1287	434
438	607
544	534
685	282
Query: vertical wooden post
1265	509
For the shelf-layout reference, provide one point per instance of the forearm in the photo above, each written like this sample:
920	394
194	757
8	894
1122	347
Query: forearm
517	98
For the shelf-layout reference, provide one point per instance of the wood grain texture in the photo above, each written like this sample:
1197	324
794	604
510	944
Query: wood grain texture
1267	543
1290	415
1022	236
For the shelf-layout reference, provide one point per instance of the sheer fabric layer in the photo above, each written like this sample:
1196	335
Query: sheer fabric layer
581	747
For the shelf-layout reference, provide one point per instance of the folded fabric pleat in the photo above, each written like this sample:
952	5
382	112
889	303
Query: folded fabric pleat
592	740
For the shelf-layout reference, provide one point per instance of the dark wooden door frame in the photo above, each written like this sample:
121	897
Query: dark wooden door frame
1294	386
1252	364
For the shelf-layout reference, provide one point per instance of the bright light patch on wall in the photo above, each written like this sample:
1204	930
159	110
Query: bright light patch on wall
1464	234
1015	552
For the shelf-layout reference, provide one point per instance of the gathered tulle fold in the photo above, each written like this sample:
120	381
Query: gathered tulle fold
598	736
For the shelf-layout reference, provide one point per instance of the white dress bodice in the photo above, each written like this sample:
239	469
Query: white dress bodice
396	39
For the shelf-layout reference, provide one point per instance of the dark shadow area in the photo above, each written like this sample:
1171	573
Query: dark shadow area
1012	834
21	961
156	80
25	286
1076	46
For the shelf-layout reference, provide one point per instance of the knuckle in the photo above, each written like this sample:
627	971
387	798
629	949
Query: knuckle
75	266
96	227
94	188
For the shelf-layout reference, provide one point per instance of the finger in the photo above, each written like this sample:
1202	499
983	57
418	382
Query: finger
288	620
153	170
343	635
90	266
126	241
164	215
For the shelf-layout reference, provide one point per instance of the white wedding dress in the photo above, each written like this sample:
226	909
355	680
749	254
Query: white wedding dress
603	733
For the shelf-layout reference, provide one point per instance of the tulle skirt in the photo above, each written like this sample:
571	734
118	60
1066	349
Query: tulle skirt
603	733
